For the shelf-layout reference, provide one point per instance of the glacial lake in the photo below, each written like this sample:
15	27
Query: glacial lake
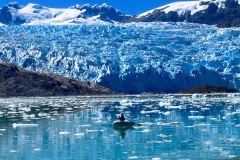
168	127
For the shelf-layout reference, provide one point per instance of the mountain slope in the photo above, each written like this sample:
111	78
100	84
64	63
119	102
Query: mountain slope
15	81
223	13
209	89
37	14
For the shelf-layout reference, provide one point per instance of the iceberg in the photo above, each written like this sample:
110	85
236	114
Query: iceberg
129	58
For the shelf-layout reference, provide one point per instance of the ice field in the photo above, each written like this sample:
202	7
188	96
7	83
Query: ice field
130	58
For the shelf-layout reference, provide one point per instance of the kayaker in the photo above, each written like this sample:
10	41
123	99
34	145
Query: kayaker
121	118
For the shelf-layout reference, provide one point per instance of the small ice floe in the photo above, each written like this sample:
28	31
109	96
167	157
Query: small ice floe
2	130
208	143
12	112
163	124
164	103
28	116
167	141
190	126
167	113
173	107
196	117
15	125
155	141
193	111
238	125
85	125
42	114
232	156
133	157
90	131
169	124
97	120
205	109
64	133
37	149
79	134
156	158
163	136
149	112
13	151
202	124
214	119
146	130
146	124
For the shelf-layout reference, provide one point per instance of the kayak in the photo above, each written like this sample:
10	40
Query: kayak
123	123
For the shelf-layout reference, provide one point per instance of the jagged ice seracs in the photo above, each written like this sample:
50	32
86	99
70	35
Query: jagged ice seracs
130	58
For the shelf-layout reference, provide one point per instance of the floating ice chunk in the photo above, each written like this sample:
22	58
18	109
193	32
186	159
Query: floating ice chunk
90	131
173	107
167	113
133	157
164	103
156	158
155	141
68	109
190	126
12	112
202	124
238	125
37	149
65	133
163	124
149	112
85	125
167	141
2	130
214	119
42	114
13	151
193	111
27	116
146	124
163	136
79	134
15	125
146	130
196	117
208	142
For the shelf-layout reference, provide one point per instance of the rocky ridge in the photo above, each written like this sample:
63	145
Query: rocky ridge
14	14
223	14
15	81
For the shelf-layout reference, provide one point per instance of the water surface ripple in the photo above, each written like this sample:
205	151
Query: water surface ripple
172	127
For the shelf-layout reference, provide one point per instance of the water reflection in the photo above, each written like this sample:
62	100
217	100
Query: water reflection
122	130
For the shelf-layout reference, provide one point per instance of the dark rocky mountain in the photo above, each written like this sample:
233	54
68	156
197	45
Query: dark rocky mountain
222	14
12	14
209	89
105	12
15	81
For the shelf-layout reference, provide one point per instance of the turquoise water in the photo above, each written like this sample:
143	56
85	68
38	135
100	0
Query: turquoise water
170	127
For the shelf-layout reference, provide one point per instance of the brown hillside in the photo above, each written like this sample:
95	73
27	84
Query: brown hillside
15	81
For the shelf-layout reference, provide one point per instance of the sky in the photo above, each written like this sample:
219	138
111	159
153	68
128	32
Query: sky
131	7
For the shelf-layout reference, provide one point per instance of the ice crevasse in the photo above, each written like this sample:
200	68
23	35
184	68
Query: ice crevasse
130	58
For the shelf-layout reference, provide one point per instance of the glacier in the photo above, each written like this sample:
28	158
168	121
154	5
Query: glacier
130	58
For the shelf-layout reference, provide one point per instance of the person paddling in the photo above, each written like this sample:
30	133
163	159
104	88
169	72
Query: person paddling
121	118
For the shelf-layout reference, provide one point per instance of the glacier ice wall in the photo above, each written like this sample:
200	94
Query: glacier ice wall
132	58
